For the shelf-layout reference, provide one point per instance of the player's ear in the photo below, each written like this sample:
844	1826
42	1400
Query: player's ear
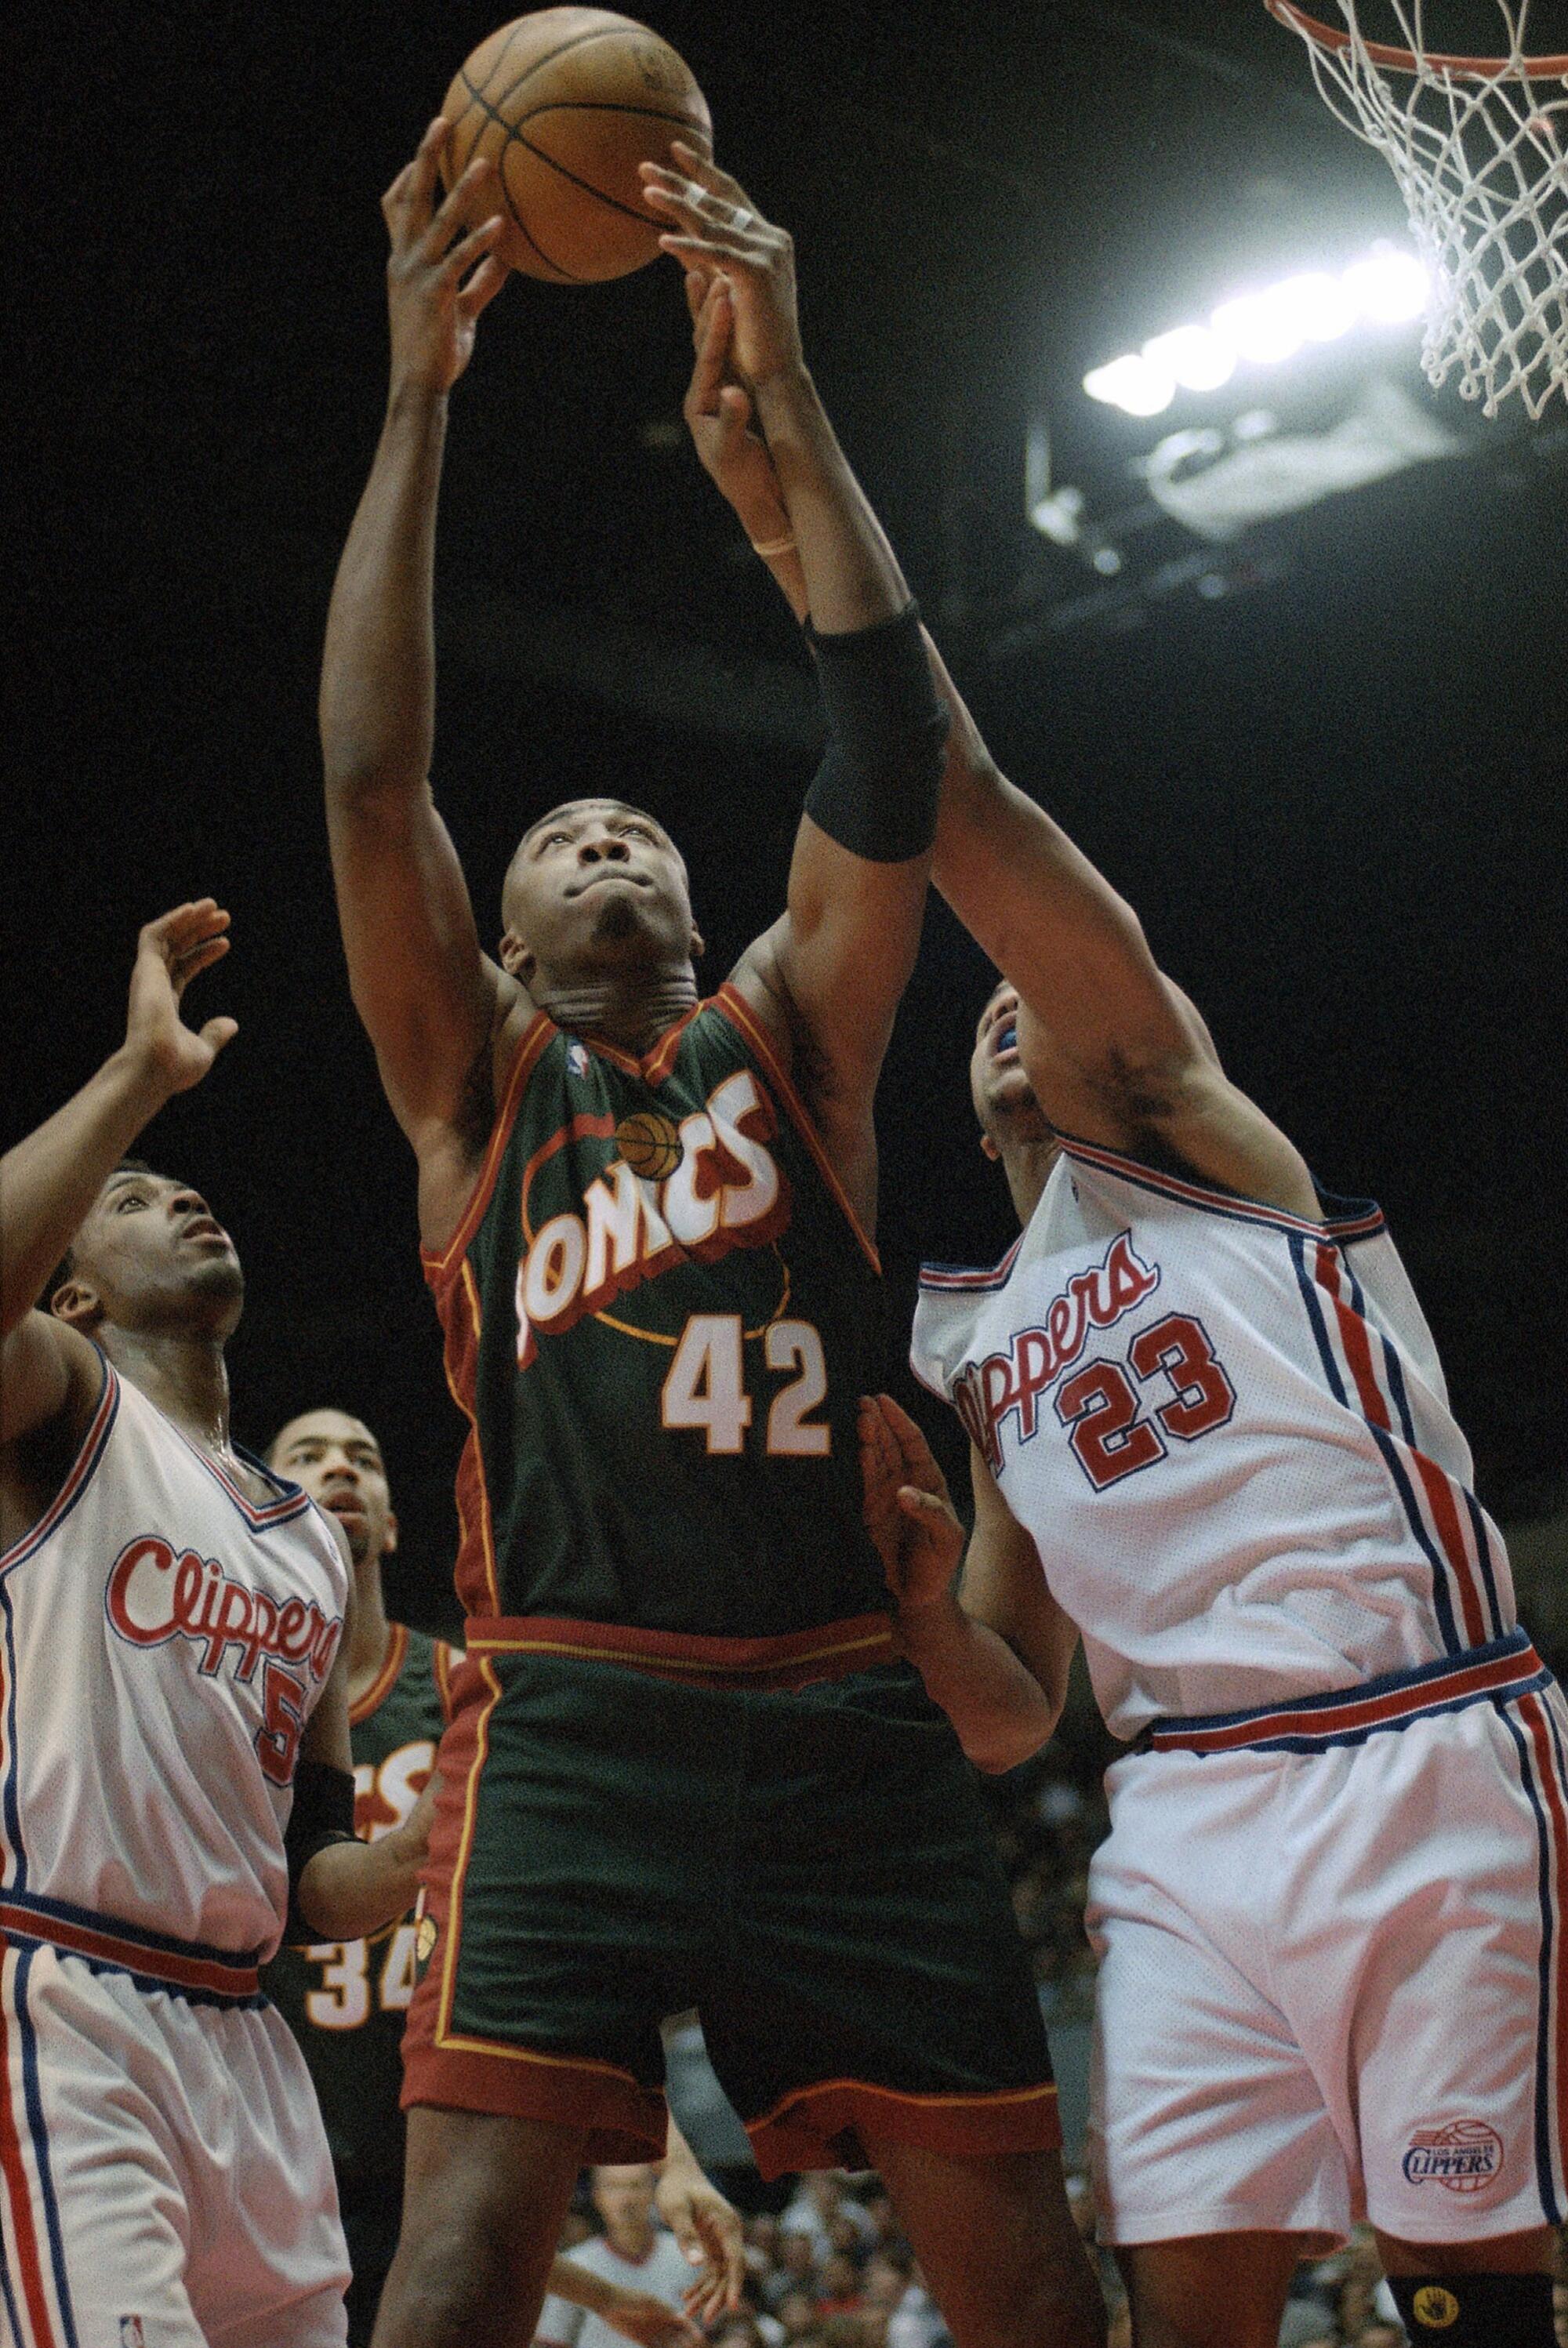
389	1537
77	1303
517	960
698	948
989	1147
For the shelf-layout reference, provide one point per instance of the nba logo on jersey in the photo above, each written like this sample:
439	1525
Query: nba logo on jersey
132	2335
577	1059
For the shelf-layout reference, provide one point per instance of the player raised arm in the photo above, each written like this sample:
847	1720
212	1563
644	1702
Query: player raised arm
994	1657
829	976
1116	1053
426	992
49	1181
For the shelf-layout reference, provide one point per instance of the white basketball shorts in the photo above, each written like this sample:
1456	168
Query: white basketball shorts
164	2175
1333	1980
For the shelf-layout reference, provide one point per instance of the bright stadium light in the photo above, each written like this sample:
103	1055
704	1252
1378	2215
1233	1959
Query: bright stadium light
1263	327
1133	383
1384	288
1321	304
1199	359
1389	287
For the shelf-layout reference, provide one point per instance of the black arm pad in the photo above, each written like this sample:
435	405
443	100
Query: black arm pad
322	1813
876	789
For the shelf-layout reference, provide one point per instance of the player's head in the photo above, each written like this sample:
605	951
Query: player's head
999	1086
596	884
623	2197
338	1461
150	1260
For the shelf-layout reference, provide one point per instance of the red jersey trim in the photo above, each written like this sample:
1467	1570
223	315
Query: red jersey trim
439	1262
381	1686
744	1020
806	2127
441	1666
796	1660
212	1976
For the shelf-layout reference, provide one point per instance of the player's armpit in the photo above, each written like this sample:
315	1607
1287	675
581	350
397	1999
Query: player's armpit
1003	1587
46	1372
431	999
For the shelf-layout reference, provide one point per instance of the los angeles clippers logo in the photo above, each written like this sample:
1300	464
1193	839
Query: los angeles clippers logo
1464	2157
157	1592
1038	1356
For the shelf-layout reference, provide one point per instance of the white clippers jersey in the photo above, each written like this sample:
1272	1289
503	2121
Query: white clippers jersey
1227	1432
162	1643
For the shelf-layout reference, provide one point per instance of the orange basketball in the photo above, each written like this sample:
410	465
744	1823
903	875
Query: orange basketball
566	103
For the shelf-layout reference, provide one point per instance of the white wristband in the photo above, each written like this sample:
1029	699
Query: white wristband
775	545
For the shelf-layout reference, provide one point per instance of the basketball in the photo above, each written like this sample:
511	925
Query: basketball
649	1144
566	103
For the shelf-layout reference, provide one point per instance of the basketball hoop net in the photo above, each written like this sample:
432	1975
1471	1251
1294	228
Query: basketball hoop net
1480	148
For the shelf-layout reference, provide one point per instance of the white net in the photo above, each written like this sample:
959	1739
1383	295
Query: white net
1481	159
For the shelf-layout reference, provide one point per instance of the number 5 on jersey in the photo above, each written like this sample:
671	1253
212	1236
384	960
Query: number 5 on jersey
706	1386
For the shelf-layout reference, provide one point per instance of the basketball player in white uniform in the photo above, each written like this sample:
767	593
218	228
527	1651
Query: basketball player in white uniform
1209	1431
174	1762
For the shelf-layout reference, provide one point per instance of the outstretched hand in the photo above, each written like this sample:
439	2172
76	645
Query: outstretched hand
170	953
719	414
908	1513
716	232
708	2229
434	300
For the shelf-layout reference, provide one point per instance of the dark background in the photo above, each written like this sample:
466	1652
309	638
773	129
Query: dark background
1329	770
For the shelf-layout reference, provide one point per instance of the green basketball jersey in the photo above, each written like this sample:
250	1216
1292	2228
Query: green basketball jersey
345	2000
660	1315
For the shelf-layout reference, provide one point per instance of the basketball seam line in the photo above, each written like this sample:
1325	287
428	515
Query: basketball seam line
567	276
648	219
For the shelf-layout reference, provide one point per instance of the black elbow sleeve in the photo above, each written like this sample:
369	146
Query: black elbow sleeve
322	1813
877	787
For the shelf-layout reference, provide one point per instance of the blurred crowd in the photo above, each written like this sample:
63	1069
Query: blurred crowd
830	2269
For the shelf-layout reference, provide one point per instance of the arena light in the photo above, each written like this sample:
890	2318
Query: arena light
1386	287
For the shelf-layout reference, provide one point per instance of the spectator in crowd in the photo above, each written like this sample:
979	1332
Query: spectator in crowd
633	2251
839	2288
797	2312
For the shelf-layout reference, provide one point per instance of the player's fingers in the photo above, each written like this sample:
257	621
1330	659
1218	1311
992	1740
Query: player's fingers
482	287
926	1508
216	1033
703	399
471	248
698	289
407	203
734	415
707	173
711	252
919	1459
195	959
469	194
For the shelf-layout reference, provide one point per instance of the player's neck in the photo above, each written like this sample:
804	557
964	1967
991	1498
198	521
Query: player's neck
369	1629
1027	1167
185	1376
630	1009
632	2242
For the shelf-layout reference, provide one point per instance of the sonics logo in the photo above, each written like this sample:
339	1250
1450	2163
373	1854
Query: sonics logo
727	1191
1465	2156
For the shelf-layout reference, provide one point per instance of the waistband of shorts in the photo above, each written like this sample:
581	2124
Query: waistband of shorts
153	1960
1495	1673
831	1651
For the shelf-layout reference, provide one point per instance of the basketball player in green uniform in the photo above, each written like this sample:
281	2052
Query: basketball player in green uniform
687	1764
346	2001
